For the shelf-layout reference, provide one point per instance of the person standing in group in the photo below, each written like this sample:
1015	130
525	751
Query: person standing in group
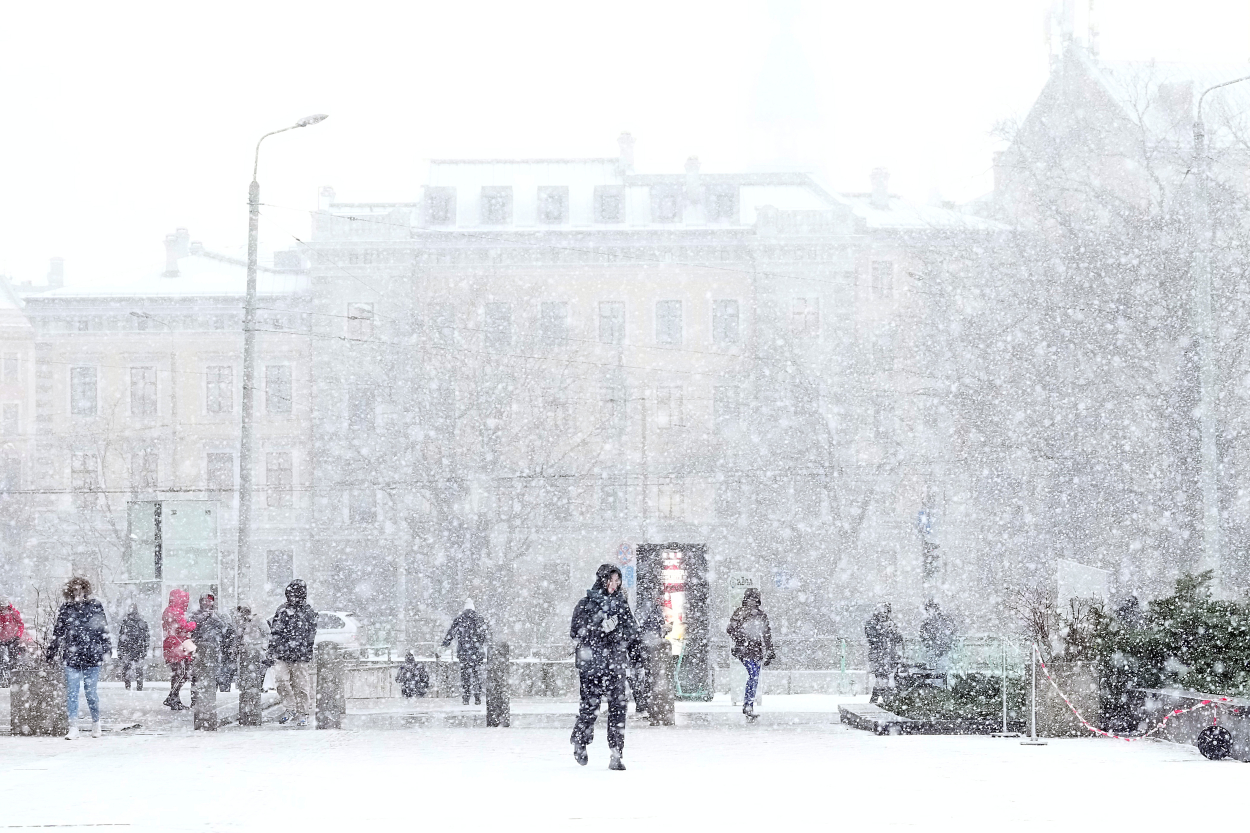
652	629
603	627
214	638
133	642
251	641
471	634
12	629
177	646
293	631
413	679
885	650
81	637
752	644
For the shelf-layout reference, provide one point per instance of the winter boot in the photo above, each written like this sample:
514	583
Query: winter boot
96	729
72	734
139	685
464	701
615	762
128	685
579	753
749	710
477	699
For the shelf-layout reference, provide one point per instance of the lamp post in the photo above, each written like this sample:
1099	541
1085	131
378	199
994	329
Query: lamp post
1204	324
242	571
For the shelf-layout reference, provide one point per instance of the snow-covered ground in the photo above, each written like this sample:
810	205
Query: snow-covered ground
815	777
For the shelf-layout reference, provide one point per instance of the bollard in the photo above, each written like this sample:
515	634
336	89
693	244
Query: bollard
661	700
251	678
204	691
331	703
37	697
498	702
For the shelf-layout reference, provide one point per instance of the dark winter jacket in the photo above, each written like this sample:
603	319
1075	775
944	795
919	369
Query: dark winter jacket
293	629
413	679
937	634
604	628
471	634
885	643
80	635
214	637
749	630
133	637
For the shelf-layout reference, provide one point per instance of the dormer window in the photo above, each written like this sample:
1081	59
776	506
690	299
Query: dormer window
553	205
722	204
496	205
440	206
665	203
609	204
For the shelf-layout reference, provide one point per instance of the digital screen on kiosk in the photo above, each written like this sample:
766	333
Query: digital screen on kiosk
673	596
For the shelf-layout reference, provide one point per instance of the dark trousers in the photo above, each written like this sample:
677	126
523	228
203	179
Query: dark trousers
8	657
596	685
132	671
471	678
179	673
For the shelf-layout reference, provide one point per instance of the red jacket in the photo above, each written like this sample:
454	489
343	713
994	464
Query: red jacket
175	625
11	626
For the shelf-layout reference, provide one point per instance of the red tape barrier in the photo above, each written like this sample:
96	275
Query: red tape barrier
1212	704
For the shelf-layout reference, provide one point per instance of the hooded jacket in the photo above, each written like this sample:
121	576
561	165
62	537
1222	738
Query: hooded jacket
133	637
748	628
11	626
471	634
81	634
293	629
174	624
603	627
214	636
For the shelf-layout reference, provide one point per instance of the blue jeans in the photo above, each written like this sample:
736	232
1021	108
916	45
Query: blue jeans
753	681
87	678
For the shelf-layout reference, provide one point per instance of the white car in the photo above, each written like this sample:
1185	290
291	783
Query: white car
339	627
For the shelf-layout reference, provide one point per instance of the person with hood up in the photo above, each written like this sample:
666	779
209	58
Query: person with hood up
177	646
251	641
752	644
12	629
133	642
885	650
293	631
471	634
214	641
413	679
603	627
81	637
937	635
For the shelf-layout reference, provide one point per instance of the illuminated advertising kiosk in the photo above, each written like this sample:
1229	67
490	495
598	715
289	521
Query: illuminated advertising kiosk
676	575
172	544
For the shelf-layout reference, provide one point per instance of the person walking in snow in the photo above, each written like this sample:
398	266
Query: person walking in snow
214	640
12	629
471	634
81	637
603	627
177	647
413	679
885	650
133	642
251	642
752	644
292	634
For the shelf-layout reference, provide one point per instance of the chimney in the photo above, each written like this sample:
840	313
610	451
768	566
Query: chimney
325	198
625	163
880	189
196	248
694	193
171	256
182	238
56	272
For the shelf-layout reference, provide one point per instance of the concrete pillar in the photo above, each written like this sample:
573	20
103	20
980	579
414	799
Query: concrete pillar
251	677
331	702
204	690
37	698
498	701
662	697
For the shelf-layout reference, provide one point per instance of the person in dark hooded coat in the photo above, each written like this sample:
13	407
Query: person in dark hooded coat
292	633
214	639
471	634
885	649
752	643
134	639
413	679
606	635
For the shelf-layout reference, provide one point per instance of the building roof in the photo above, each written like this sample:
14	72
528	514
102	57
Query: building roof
902	215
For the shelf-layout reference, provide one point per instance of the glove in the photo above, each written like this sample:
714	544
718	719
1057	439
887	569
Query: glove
609	624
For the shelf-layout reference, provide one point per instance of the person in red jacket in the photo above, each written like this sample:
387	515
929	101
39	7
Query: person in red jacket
11	632
178	653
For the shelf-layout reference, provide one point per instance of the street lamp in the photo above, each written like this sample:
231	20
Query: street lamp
243	561
1212	547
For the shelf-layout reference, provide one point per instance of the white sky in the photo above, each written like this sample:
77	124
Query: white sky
124	121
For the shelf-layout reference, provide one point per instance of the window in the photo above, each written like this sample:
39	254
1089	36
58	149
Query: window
612	322
496	205
82	391
611	498
219	389
143	391
725	322
668	322
725	405
143	471
84	478
329	622
278	478
666	203
440	206
554	320
722	204
556	503
11	425
278	389
362	507
556	411
553	205
728	499
84	324
609	204
498	326
279	568
10	473
668	407
360	320
612	407
10	368
220	471
670	499
805	317
361	409
883	279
